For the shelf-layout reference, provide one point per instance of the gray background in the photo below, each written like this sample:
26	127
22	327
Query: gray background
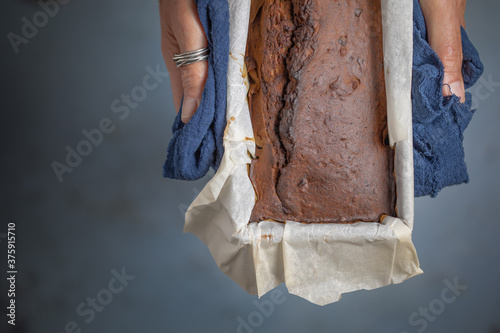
115	210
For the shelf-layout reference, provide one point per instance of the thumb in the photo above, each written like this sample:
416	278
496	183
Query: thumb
453	83
190	36
194	77
443	19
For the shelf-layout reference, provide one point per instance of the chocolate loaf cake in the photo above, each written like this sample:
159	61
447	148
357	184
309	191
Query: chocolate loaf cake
318	109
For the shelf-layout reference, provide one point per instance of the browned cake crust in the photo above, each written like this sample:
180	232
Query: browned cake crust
318	109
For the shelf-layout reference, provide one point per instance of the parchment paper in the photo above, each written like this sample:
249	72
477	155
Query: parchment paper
318	262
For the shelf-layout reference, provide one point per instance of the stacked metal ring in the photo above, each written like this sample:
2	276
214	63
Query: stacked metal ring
187	58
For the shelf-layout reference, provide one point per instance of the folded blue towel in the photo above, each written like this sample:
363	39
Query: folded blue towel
438	122
197	145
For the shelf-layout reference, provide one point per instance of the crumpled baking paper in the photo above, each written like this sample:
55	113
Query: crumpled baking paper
318	262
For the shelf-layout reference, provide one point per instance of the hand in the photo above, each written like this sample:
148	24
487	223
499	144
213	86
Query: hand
182	31
443	19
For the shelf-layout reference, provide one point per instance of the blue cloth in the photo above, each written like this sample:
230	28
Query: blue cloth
197	145
438	122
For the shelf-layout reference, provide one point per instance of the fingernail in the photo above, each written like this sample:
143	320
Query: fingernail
189	106
457	88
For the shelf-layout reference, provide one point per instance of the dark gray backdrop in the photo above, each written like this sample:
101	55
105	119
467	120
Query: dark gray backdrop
114	211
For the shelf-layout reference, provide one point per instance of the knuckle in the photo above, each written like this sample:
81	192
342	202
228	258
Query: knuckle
194	78
452	60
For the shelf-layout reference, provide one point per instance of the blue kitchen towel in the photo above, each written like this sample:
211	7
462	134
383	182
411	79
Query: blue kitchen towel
438	122
197	145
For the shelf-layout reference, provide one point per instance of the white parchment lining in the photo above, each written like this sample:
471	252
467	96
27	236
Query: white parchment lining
318	262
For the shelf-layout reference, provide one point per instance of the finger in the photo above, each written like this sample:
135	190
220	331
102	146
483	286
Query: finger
443	19
174	73
169	47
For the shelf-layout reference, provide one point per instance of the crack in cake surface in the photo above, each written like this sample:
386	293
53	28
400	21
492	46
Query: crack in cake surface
298	56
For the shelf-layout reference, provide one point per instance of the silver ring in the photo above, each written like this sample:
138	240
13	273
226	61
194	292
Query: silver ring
188	58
